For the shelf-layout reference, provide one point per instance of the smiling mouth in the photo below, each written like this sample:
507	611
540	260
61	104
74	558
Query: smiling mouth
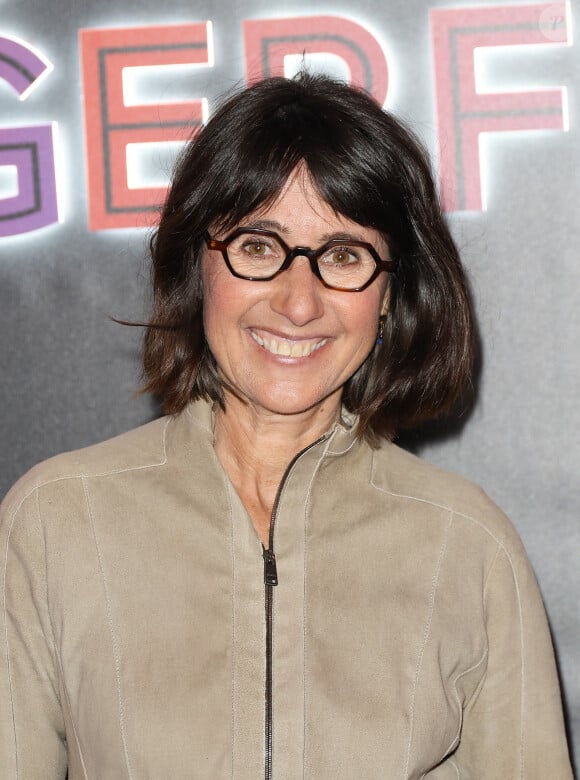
286	348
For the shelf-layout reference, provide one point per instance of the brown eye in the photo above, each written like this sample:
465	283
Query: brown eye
340	257
256	248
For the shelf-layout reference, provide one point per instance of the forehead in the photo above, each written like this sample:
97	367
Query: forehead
299	212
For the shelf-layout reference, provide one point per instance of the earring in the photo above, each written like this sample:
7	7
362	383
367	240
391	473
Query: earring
381	330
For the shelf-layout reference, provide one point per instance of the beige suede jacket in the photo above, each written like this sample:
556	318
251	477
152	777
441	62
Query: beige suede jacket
405	637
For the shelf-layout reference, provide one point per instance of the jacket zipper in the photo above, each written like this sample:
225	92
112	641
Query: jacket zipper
270	580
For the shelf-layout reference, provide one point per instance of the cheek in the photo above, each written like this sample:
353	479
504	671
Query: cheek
369	307
215	306
226	300
219	292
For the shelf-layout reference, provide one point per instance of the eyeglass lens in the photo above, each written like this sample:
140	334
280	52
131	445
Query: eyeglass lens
342	265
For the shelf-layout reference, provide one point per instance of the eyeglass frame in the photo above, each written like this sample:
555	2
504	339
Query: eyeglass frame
298	251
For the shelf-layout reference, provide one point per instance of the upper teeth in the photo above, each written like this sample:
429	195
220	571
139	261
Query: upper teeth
288	348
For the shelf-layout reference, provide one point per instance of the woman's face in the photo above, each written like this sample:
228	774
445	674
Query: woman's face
254	328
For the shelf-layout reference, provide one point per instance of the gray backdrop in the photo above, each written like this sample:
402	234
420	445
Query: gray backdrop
69	373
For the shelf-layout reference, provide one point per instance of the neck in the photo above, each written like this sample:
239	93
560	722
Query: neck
255	448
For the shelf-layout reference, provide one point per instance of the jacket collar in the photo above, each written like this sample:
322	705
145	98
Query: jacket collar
193	429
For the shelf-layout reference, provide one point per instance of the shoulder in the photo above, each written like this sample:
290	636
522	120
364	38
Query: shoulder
408	477
142	447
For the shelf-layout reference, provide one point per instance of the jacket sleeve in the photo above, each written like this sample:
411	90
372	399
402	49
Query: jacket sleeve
513	727
32	741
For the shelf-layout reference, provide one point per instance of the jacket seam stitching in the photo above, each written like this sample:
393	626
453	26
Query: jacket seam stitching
49	618
344	451
518	596
56	653
457	736
74	728
426	634
82	475
485	654
472	668
233	669
306	516
522	643
142	466
196	422
522	664
445	508
116	652
489	573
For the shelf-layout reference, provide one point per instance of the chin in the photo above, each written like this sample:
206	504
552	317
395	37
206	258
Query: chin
291	404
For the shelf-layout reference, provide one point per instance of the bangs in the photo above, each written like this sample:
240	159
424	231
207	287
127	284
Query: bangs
249	174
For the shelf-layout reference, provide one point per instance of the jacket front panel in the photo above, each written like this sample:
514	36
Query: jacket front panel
409	639
409	611
142	607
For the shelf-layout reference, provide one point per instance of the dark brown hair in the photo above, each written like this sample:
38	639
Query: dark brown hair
368	167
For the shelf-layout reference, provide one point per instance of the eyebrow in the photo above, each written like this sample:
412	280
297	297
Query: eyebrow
279	227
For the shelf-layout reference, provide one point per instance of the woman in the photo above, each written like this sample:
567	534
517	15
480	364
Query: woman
261	583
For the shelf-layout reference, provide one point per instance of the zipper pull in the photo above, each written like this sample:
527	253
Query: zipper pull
270	570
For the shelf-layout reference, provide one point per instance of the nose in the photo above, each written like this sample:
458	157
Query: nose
297	293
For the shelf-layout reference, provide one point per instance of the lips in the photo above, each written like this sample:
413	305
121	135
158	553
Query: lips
288	347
